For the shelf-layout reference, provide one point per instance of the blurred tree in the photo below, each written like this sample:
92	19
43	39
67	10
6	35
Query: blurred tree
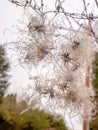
94	122
95	78
95	72
11	119
4	67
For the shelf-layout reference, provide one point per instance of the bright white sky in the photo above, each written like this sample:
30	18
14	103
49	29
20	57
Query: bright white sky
9	14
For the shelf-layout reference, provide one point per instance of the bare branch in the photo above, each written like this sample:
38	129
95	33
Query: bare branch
96	3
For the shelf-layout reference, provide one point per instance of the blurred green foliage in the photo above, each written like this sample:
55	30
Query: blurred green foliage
94	122
4	67
11	119
95	72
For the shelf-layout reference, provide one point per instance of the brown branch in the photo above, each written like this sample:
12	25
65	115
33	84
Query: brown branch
96	3
85	8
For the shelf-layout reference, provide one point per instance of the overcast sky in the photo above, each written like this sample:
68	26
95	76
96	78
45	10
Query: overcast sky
9	16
